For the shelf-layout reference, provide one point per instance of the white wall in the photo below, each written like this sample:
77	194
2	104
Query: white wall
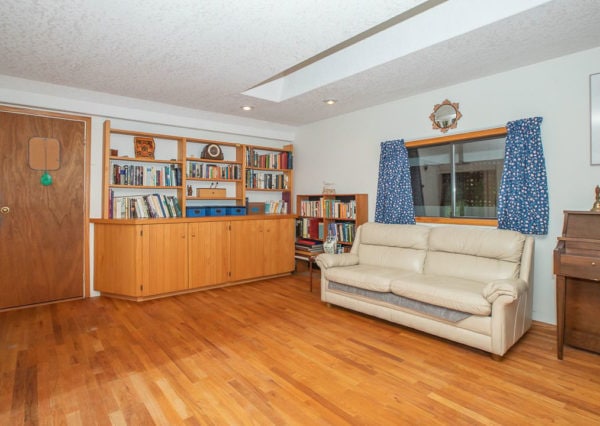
345	149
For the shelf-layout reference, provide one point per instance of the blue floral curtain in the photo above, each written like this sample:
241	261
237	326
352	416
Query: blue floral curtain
394	192
523	198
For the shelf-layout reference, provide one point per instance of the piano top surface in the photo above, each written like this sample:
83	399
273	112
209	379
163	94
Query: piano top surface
581	224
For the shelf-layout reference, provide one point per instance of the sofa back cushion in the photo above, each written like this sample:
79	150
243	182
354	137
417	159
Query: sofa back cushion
394	246
477	254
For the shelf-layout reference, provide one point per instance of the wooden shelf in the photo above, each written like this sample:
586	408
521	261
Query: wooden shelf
268	190
144	160
213	179
113	185
213	198
263	169
207	160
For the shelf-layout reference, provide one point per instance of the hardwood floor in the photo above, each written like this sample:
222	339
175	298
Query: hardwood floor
272	353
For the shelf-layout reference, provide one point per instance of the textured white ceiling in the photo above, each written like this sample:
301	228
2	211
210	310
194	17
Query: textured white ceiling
203	54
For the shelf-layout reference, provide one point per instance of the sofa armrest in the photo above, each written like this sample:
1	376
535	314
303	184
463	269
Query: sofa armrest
326	260
509	287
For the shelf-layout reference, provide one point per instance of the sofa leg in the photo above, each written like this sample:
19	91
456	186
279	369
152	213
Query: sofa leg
497	357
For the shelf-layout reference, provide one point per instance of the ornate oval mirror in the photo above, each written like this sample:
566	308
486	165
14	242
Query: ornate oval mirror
445	116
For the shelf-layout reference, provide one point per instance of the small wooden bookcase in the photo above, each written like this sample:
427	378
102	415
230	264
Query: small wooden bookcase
319	214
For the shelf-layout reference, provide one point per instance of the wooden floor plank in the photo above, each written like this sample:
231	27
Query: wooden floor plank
272	353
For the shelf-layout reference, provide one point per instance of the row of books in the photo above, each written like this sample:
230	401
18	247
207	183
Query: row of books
310	228
261	180
275	160
143	206
313	228
214	171
345	231
331	208
169	175
276	207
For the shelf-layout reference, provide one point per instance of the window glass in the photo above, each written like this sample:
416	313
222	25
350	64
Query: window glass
457	179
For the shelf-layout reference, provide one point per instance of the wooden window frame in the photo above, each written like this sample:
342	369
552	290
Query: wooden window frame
458	137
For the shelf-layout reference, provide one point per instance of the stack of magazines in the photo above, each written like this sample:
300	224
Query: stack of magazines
309	247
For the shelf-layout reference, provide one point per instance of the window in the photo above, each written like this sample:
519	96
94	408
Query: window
455	179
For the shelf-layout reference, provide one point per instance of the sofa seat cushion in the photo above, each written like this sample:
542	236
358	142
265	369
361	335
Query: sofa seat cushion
368	277
452	293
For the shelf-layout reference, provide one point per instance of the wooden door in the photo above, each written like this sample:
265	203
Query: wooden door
166	259
42	227
246	249
208	253
279	246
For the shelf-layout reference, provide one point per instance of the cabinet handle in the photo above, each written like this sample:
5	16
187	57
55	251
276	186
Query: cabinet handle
593	263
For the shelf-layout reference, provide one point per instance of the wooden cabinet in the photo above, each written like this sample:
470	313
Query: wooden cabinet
209	250
261	248
577	269
141	259
164	258
118	257
321	214
246	249
278	246
146	246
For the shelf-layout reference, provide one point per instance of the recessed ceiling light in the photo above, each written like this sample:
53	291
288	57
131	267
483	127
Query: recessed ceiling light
330	101
247	107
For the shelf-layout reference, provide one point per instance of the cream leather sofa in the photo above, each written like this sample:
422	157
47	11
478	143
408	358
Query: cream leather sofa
471	285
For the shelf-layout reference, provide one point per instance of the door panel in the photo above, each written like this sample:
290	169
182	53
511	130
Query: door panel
118	259
246	249
166	258
209	253
42	233
279	250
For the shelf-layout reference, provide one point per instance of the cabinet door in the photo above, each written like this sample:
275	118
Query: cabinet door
278	246
165	250
118	259
208	253
246	249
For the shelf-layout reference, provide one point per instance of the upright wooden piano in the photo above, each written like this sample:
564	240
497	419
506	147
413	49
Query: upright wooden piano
577	269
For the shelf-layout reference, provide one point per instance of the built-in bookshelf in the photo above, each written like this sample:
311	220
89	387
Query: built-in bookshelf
217	177
142	179
270	170
178	172
321	215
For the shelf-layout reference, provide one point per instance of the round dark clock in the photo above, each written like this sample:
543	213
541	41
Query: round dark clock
212	152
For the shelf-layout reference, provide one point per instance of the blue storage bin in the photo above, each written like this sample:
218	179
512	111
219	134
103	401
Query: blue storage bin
217	211
236	211
196	211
